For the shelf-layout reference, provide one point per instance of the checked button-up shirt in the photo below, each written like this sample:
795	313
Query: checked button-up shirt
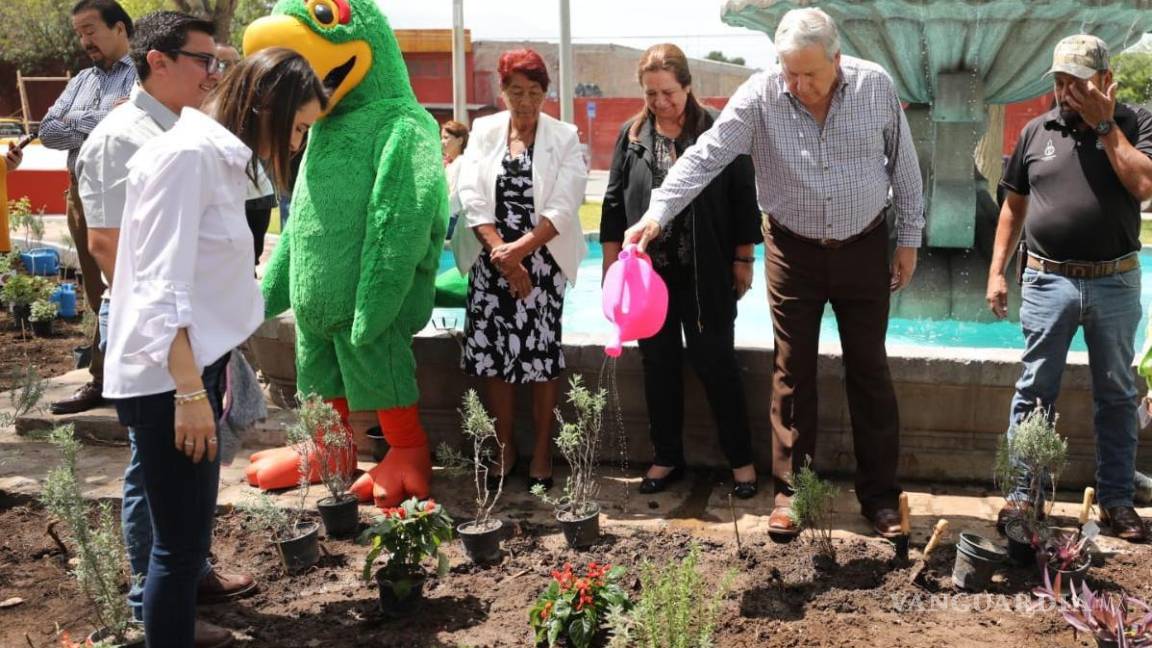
821	183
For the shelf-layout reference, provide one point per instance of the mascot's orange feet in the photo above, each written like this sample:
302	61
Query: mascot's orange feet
280	467
407	468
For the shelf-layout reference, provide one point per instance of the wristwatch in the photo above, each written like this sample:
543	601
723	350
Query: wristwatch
1104	127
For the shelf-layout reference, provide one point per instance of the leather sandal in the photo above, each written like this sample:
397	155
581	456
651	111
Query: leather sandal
781	522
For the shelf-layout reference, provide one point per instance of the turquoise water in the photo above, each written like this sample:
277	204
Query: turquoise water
582	315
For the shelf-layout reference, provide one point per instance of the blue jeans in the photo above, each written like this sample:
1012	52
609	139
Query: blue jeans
1052	308
102	323
180	499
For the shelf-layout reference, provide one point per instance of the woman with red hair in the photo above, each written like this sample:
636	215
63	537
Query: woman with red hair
519	239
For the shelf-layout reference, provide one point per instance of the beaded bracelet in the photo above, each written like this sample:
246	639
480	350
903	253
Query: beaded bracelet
191	397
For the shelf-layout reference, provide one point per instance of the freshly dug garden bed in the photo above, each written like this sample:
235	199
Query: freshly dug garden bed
778	598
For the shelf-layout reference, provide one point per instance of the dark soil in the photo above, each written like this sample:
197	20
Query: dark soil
778	597
51	356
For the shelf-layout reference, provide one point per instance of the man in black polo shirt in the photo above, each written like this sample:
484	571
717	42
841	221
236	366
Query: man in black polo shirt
1074	184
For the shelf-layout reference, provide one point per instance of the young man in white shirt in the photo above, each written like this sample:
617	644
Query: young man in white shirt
174	54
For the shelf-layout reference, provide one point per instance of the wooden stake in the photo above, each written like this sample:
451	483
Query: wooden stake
905	515
1086	508
732	507
939	531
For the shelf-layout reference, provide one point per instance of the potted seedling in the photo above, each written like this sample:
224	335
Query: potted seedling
296	540
1030	461
329	443
41	315
408	534
98	549
20	292
812	500
1065	556
577	510
481	536
575	606
1113	620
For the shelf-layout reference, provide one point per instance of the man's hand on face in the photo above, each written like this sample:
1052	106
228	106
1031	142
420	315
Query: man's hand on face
1093	104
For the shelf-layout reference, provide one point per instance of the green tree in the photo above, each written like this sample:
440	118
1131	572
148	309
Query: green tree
1133	73
36	35
717	55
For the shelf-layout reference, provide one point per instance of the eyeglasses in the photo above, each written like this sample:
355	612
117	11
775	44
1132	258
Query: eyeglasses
212	65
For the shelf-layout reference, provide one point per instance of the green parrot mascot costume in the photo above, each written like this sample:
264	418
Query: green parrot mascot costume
357	261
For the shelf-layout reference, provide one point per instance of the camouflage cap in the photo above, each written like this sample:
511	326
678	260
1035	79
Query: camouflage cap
1081	55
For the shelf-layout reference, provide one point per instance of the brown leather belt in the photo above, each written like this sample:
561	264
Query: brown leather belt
1085	269
828	244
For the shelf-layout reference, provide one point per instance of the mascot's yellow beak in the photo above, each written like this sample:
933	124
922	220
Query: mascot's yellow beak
340	66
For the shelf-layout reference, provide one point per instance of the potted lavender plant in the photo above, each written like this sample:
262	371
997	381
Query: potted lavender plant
577	510
481	536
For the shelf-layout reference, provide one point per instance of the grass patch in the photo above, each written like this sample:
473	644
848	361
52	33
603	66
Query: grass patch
590	217
1145	232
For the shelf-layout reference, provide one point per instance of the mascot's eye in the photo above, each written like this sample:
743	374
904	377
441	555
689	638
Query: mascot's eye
323	13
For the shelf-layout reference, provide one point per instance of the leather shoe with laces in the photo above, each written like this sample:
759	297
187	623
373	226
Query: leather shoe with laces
1125	522
218	587
87	397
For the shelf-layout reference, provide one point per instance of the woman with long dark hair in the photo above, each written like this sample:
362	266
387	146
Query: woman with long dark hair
706	259
185	296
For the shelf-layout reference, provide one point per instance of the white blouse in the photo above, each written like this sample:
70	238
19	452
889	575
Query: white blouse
184	259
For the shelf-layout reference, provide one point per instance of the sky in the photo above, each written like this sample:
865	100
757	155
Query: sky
694	25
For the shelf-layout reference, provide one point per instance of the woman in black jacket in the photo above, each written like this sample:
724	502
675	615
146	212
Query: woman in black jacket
705	258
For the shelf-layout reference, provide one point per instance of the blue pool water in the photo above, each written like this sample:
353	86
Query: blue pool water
582	315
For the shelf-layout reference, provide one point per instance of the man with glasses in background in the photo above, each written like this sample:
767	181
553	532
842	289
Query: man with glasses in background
103	28
175	59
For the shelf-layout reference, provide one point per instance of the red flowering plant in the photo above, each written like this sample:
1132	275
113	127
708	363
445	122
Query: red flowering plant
575	606
409	533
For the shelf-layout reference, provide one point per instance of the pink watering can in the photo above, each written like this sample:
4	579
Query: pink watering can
635	299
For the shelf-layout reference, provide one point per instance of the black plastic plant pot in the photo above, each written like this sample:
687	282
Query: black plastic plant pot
42	328
580	532
1106	643
1069	578
341	516
20	315
481	541
377	443
400	595
302	550
133	639
1020	550
971	571
983	547
82	355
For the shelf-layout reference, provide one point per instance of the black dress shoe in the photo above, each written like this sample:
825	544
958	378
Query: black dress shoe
546	482
87	397
745	490
651	485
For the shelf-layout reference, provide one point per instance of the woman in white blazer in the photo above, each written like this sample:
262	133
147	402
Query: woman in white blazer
520	241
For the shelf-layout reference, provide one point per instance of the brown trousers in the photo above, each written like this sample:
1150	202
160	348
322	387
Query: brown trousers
802	278
93	282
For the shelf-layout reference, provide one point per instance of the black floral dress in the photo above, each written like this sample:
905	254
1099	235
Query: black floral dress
515	340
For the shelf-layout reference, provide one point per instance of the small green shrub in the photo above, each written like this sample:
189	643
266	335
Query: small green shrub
43	311
812	500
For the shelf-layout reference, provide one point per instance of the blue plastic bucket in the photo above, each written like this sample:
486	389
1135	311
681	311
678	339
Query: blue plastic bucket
65	298
41	261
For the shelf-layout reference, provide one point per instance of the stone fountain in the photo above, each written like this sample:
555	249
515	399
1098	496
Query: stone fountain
950	60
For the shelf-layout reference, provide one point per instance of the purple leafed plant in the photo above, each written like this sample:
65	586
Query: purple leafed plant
1120	619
